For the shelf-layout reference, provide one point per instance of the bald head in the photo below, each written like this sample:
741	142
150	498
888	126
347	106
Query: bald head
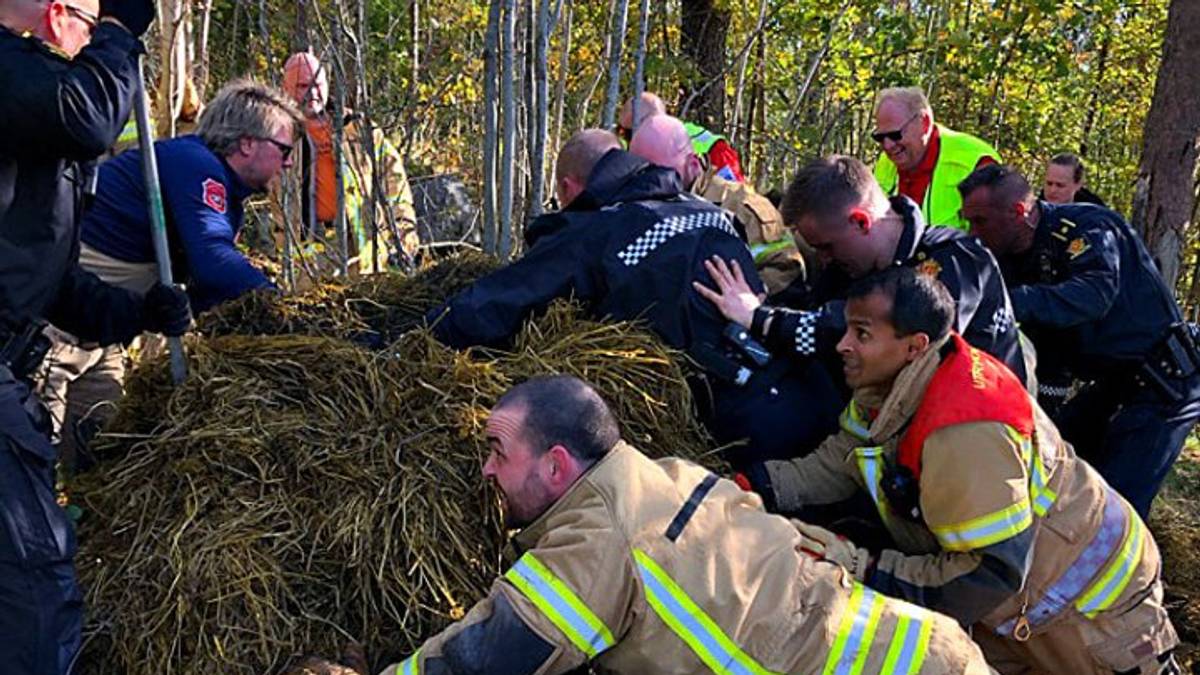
64	26
576	160
648	105
664	141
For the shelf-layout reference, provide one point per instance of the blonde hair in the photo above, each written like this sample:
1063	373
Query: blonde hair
912	98
245	109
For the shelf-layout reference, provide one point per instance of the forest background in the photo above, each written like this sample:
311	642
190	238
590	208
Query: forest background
488	89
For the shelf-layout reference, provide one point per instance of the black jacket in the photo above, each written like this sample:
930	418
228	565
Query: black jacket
959	261
629	247
1089	285
56	116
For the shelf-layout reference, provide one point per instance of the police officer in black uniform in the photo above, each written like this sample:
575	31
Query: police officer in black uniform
62	103
629	247
1082	280
837	207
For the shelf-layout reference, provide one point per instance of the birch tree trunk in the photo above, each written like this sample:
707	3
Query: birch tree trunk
617	39
509	134
173	64
201	63
1165	193
490	131
541	103
560	94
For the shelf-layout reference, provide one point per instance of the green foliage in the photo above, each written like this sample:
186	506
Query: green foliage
1034	77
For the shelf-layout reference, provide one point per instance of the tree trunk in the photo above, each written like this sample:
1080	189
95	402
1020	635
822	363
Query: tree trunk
508	45
703	27
639	72
560	95
490	130
337	116
612	99
202	49
1166	186
735	124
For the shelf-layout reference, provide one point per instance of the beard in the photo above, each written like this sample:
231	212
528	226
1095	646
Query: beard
526	504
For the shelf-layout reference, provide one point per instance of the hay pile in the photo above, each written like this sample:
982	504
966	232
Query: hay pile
373	309
1175	522
298	490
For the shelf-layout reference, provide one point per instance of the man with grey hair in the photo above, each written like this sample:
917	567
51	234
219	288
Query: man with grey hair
244	140
923	160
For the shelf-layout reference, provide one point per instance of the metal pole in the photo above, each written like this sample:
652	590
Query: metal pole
158	223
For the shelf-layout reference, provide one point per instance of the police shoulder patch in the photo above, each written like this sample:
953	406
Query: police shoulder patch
214	194
1077	247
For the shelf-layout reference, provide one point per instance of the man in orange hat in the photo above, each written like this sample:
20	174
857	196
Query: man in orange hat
306	81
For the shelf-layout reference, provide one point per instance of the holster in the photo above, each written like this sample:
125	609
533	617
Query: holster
22	349
1171	363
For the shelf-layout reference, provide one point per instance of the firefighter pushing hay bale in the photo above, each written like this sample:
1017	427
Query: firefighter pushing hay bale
297	491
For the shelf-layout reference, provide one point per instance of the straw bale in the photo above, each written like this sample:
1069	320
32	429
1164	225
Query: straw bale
298	491
372	309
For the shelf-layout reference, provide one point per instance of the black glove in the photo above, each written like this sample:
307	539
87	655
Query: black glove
135	15
165	310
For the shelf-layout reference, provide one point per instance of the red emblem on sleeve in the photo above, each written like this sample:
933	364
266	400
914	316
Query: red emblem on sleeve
214	194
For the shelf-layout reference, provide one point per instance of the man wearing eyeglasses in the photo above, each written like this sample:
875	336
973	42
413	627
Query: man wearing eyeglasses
66	84
923	160
245	139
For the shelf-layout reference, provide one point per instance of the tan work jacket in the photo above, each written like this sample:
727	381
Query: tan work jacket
776	256
982	484
660	567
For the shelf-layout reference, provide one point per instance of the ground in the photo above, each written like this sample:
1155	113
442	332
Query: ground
1175	521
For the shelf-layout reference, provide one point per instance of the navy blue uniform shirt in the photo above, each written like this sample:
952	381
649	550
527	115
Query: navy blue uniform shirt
1089	284
202	199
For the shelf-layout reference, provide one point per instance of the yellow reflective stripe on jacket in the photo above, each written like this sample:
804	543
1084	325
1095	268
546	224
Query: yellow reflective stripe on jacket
986	530
908	645
870	465
129	132
761	251
560	604
854	422
687	620
411	665
1104	591
1039	481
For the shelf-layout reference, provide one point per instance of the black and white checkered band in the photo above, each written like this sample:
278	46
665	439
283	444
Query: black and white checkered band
1052	391
806	333
664	229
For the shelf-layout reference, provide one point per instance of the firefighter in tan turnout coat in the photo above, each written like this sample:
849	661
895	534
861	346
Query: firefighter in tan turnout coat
642	566
995	521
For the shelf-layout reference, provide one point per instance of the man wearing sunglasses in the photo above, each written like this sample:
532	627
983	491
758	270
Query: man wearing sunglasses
67	80
923	160
244	140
